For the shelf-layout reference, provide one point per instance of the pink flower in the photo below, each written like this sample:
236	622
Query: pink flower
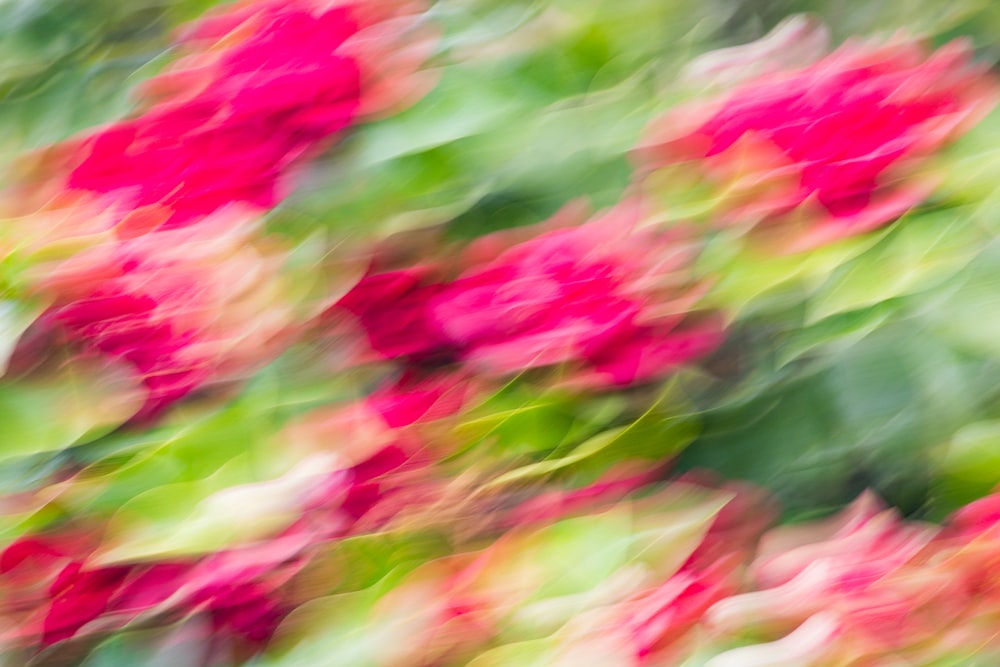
827	142
127	326
271	97
238	589
386	468
32	567
850	565
392	310
384	39
658	621
861	545
737	528
658	618
979	518
969	552
604	295
177	308
417	398
78	597
265	83
48	589
246	609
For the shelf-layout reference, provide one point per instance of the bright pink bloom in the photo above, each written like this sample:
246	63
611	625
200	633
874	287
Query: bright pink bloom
48	592
117	594
416	398
827	141
603	294
737	528
981	517
380	485
78	597
387	468
264	84
656	621
392	310
973	543
652	350
272	96
31	568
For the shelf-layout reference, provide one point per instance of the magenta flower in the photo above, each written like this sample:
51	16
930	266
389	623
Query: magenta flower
78	597
657	622
981	517
264	84
392	311
859	547
604	295
887	588
49	593
240	605
828	142
415	398
32	568
270	98
386	468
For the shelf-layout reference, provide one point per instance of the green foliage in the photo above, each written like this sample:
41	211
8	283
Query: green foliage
70	65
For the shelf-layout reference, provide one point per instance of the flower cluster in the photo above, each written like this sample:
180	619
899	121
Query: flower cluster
150	221
486	476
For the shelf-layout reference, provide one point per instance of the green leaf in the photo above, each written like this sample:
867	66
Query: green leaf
970	464
537	653
364	560
656	435
920	252
838	331
58	409
747	278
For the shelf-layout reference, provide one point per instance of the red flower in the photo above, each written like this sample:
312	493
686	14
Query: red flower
238	589
78	597
127	327
981	517
859	547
